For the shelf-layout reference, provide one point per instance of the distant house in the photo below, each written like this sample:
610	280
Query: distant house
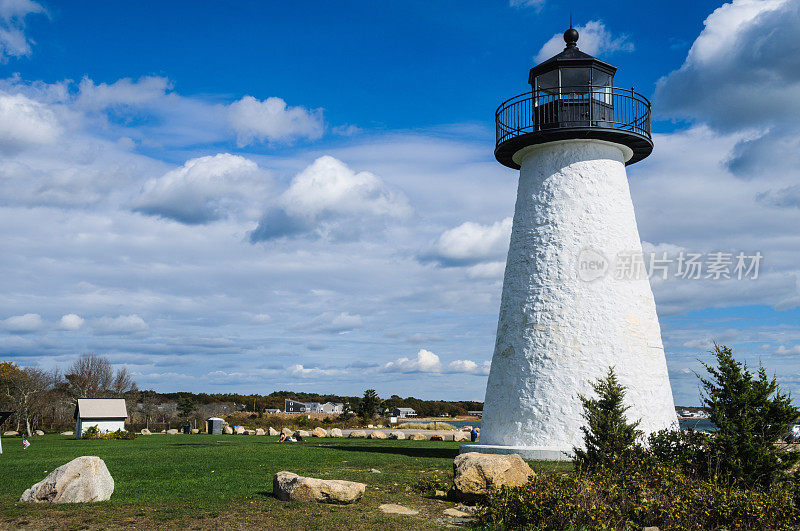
108	414
403	412
272	411
293	406
475	413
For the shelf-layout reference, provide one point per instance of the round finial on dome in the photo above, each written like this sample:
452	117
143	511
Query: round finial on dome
571	37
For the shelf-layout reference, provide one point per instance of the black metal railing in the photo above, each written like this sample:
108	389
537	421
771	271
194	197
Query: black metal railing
583	107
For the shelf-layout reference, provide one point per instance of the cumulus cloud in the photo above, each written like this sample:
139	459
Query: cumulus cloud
310	372
330	199
121	325
272	120
205	189
23	324
13	41
425	361
25	122
469	367
595	39
123	93
70	321
471	243
742	73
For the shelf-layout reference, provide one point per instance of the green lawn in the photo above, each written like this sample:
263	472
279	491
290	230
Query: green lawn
203	481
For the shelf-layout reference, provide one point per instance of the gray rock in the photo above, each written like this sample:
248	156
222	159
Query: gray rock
84	479
335	432
145	431
38	432
319	432
417	437
227	430
377	434
68	433
302	433
358	434
288	486
393	508
259	431
172	431
10	433
461	436
272	432
476	475
455	513
399	435
239	430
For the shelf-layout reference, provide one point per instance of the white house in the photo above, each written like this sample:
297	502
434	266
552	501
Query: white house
108	414
403	412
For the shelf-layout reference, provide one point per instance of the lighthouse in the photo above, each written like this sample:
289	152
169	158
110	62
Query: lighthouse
575	300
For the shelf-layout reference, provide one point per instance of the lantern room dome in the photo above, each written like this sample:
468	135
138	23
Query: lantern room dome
573	96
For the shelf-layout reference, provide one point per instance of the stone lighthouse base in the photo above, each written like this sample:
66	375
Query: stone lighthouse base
531	453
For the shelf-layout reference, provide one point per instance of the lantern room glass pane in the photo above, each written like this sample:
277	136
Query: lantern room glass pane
548	82
574	78
600	78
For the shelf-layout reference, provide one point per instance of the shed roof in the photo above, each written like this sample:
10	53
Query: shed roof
407	409
101	408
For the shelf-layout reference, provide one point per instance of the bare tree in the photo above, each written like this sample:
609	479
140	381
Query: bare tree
25	389
92	376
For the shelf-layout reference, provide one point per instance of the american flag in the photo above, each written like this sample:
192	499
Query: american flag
25	443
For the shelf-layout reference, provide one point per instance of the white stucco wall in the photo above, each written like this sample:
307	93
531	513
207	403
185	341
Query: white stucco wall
102	425
557	330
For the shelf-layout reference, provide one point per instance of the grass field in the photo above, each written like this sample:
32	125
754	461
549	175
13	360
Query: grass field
204	481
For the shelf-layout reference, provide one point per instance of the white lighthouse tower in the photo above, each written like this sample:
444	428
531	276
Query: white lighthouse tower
575	300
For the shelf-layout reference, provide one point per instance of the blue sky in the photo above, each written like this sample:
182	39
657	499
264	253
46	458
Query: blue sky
261	196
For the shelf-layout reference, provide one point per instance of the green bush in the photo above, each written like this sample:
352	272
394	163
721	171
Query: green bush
429	484
651	495
93	433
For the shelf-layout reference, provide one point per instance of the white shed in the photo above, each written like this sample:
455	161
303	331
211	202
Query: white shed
108	414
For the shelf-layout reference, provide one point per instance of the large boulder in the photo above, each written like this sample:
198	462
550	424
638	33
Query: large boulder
377	435
399	435
172	431
195	431
288	486
227	430
250	432
38	432
358	434
476	475
417	437
461	436
259	431
272	432
287	432
70	433
319	432
301	433
10	433
84	479
335	432
239	430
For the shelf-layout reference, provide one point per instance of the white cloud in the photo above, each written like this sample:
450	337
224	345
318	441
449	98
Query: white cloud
121	325
332	323
25	122
272	120
536	4
426	361
310	372
70	321
205	189
261	318
783	350
470	243
23	324
469	367
330	199
13	41
594	39
123	93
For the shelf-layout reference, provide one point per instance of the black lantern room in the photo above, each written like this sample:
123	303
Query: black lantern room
573	96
